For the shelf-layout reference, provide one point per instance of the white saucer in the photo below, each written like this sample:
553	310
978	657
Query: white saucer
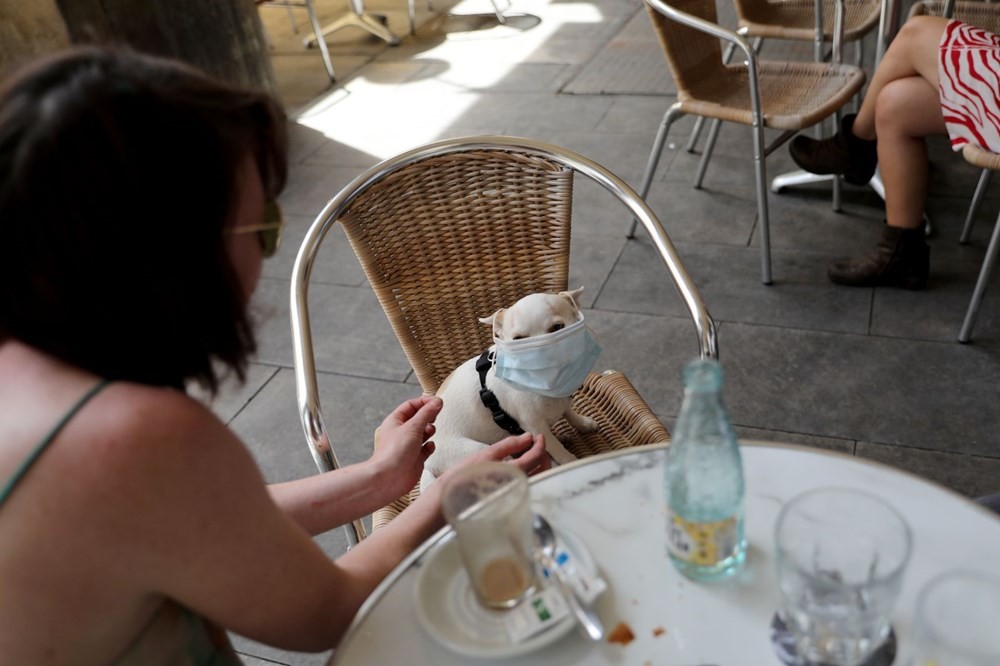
449	612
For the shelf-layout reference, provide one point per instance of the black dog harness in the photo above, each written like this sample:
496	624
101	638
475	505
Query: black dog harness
500	417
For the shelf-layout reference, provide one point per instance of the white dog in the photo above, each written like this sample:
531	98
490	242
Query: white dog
542	354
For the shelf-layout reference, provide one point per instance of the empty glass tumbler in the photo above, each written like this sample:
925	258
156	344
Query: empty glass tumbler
840	560
958	620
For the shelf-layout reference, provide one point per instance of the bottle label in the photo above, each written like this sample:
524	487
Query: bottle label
702	544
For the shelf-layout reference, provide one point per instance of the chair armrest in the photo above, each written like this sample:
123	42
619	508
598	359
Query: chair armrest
306	388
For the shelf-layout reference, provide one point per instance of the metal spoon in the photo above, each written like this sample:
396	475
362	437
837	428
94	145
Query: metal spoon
546	539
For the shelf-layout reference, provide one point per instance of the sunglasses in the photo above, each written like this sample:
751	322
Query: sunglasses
268	232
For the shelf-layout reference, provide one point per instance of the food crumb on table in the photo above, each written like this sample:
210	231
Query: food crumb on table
621	634
659	631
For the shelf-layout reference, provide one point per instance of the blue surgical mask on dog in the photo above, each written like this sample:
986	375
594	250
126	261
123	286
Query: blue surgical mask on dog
553	365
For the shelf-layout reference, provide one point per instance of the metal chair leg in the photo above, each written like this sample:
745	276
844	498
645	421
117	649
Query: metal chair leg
672	114
838	184
323	48
706	155
977	199
760	171
695	133
984	278
291	19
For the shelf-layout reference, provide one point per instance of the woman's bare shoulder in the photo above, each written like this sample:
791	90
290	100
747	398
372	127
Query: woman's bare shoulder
138	430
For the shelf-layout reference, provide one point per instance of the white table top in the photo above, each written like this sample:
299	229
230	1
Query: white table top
615	505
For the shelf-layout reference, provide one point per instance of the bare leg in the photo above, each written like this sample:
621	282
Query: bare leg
907	110
914	52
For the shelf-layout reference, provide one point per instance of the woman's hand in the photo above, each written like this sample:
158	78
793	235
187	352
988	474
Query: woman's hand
532	459
402	444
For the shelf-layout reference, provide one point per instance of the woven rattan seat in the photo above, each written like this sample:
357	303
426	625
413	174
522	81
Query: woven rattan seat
793	95
454	231
785	96
796	19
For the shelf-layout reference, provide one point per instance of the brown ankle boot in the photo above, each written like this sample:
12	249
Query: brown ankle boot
900	259
843	153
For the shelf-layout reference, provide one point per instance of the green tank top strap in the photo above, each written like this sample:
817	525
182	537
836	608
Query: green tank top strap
25	466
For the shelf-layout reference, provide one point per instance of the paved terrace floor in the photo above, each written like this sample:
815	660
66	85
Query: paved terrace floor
874	373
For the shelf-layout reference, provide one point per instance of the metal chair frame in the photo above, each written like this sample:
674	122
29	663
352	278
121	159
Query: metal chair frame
307	391
737	41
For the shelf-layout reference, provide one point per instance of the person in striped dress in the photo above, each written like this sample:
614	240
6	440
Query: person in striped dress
938	76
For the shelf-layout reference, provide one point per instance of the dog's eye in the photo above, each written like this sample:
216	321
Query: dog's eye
519	337
556	327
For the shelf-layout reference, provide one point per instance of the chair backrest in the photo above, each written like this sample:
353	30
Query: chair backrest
695	58
450	238
451	232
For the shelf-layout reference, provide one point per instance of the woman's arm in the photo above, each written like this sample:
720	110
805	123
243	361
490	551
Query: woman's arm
181	510
325	501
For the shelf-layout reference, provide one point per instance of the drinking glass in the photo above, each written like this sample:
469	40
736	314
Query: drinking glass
840	560
488	506
958	620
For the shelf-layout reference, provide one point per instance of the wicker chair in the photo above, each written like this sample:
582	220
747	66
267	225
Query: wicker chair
786	96
989	162
452	231
798	20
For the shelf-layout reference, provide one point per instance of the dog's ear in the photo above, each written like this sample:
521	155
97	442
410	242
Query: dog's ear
495	320
573	296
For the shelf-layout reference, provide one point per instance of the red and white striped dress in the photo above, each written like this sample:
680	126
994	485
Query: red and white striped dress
969	72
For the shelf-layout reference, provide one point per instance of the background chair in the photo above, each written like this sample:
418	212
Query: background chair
800	21
313	21
989	162
455	230
786	96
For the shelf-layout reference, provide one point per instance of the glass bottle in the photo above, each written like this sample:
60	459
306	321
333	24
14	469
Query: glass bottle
704	481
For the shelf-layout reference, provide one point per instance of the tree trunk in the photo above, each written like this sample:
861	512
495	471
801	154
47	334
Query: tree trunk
223	38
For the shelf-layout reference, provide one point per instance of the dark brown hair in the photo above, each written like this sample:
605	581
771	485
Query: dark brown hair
118	173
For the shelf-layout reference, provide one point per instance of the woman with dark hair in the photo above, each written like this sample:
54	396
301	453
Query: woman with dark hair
136	205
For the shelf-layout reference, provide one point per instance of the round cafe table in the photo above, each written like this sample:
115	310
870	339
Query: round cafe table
614	504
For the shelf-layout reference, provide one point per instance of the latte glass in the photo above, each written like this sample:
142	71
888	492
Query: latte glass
488	506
